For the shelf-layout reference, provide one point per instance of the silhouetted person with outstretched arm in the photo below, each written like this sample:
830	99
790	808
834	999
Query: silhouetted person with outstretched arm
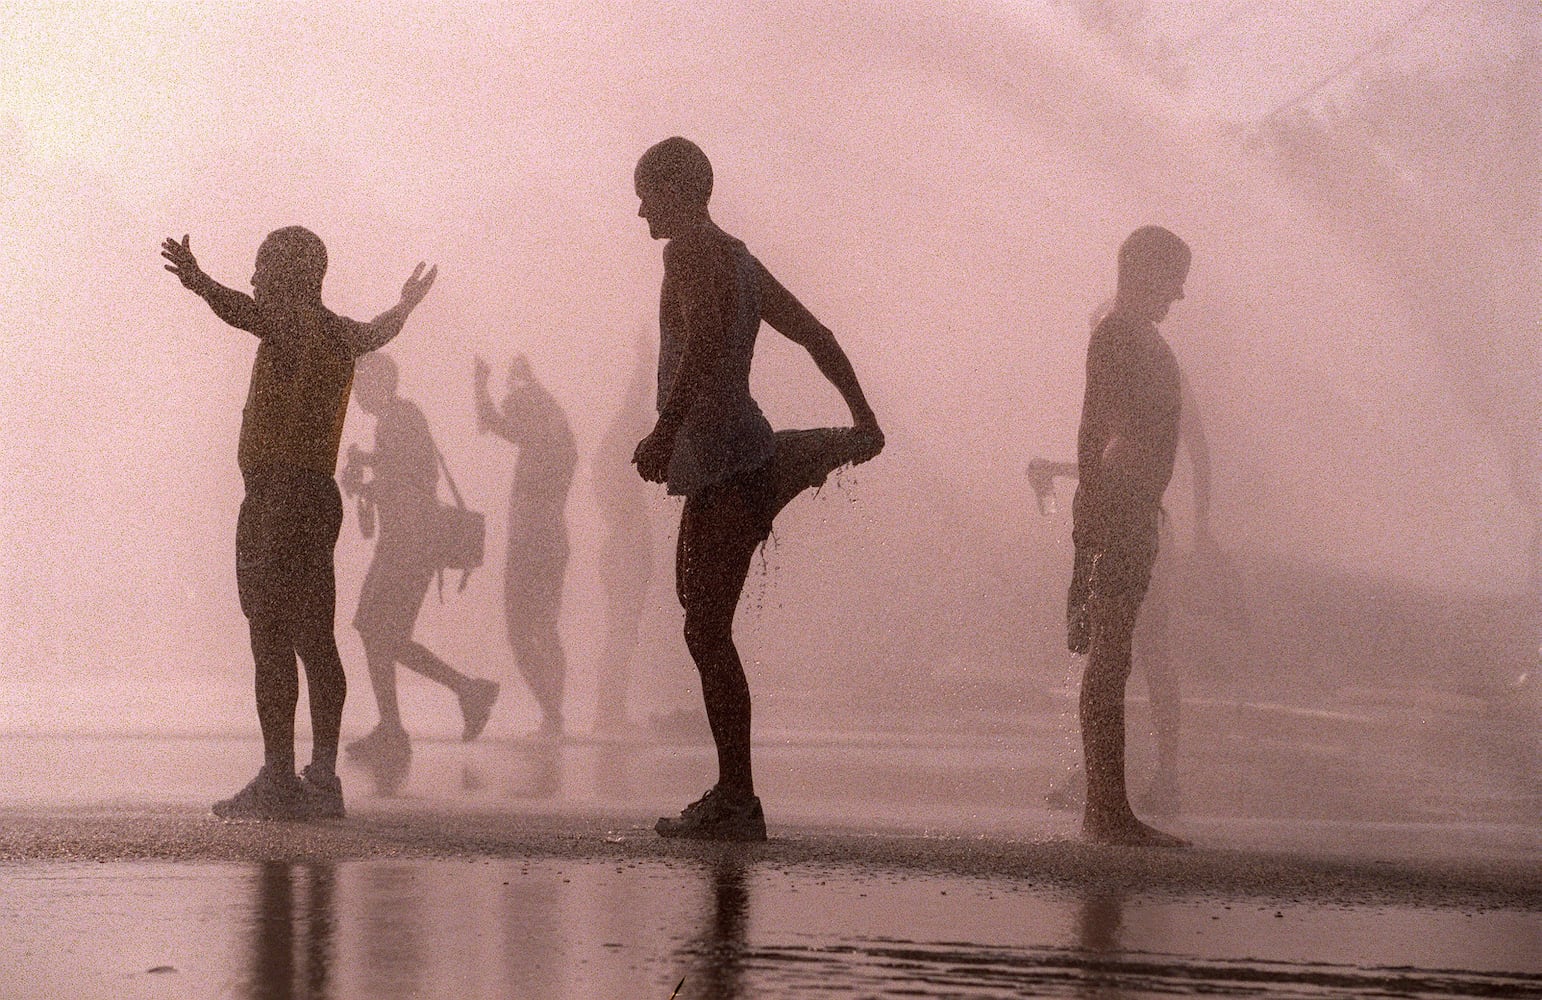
713	445
290	517
1126	446
401	491
532	420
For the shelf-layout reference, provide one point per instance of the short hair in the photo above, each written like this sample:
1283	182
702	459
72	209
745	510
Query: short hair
680	164
304	255
1151	253
379	367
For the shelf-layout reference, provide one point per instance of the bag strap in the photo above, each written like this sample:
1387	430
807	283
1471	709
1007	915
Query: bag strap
465	574
465	578
449	478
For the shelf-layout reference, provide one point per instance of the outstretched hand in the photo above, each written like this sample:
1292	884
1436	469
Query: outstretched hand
417	286
183	264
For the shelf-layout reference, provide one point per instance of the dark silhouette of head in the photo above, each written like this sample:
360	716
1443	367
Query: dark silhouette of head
674	183
290	265
1153	265
374	381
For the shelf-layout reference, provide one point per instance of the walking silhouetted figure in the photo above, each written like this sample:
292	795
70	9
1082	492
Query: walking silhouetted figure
1126	446
290	517
400	496
713	445
532	420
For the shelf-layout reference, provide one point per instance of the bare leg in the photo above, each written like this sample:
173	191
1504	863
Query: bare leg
1107	816
417	658
328	686
539	655
278	693
718	537
387	751
1162	796
381	655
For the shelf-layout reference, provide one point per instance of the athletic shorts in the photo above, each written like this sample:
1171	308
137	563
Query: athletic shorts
285	535
753	491
1110	576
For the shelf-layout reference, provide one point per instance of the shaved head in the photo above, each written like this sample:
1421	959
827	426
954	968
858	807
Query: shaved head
678	164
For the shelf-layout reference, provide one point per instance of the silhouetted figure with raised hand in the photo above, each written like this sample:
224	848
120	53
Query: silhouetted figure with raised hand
532	420
400	496
1126	447
713	445
291	515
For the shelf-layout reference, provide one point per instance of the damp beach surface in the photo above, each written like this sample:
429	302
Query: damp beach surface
529	868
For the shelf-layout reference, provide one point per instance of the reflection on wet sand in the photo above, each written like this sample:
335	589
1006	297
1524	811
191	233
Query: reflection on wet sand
1097	928
292	931
713	958
468	926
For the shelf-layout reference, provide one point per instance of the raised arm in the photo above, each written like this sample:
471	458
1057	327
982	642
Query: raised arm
235	308
791	319
489	417
381	330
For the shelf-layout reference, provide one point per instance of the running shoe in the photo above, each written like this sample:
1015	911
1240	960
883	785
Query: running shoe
386	754
717	815
323	793
476	706
383	744
269	796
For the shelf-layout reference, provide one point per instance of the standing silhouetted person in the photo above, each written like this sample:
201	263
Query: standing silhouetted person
626	562
401	492
713	445
1150	644
1125	450
533	421
289	520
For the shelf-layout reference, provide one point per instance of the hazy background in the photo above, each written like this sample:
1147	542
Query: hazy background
945	185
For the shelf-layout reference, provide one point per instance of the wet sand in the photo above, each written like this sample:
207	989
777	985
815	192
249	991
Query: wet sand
510	869
1055	865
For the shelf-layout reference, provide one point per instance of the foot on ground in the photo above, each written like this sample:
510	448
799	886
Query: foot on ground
269	796
1127	831
383	743
323	793
1068	792
717	815
476	706
386	754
